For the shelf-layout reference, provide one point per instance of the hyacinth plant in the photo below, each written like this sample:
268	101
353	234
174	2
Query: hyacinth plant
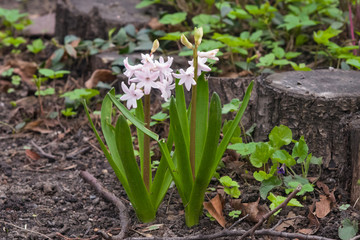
194	132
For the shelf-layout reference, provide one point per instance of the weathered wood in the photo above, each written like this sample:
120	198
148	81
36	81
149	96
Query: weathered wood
354	129
311	104
91	19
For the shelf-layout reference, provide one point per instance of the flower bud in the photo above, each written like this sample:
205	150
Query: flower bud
155	46
198	34
185	41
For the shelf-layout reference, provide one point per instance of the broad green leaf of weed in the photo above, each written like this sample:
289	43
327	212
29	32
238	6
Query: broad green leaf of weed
348	229
268	185
280	136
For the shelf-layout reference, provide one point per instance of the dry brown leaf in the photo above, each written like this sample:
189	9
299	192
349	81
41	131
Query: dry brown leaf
306	231
324	187
32	155
100	75
155	24
255	211
284	225
323	206
34	126
75	43
24	69
215	208
245	73
4	86
312	218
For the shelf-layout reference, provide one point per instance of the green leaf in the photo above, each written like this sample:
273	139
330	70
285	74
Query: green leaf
354	62
316	160
81	93
322	37
48	91
70	50
208	163
146	3
261	176
283	157
181	151
300	150
291	55
132	118
261	154
344	207
266	60
141	201
277	200
174	18
226	181
244	149
173	36
348	229
231	107
160	116
269	184
280	136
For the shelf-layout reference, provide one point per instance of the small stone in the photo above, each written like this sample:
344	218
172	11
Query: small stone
105	171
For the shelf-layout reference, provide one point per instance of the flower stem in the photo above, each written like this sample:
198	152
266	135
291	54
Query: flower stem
193	115
147	161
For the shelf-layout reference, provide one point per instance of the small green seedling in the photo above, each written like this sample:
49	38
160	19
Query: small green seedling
235	214
277	200
36	46
68	112
230	187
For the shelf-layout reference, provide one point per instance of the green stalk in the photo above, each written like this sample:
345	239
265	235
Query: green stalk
147	161
193	116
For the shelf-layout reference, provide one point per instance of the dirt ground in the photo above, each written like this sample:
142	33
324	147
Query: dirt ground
44	197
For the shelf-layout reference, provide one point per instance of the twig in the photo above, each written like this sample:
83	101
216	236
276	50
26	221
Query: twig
266	216
238	221
25	230
41	151
228	233
124	216
74	154
355	238
284	220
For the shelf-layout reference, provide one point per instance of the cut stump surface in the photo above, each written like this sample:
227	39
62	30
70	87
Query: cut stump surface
314	104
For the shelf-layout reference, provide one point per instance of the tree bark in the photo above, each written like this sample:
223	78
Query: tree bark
312	104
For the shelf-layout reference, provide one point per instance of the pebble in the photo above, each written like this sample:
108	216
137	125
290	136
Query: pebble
105	171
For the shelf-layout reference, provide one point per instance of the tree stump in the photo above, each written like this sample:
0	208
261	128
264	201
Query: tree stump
312	104
354	129
91	19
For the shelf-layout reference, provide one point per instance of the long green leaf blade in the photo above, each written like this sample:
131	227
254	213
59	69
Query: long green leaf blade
163	178
181	108
141	199
208	163
225	141
139	113
132	118
182	150
202	101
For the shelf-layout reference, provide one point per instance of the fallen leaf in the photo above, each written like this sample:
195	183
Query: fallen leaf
4	86
100	75
245	73
288	223
34	126
314	221
24	69
155	24
306	231
323	206
253	209
32	155
324	187
152	227
215	208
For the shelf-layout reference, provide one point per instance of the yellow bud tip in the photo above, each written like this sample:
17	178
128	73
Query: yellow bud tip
198	34
185	41
155	46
